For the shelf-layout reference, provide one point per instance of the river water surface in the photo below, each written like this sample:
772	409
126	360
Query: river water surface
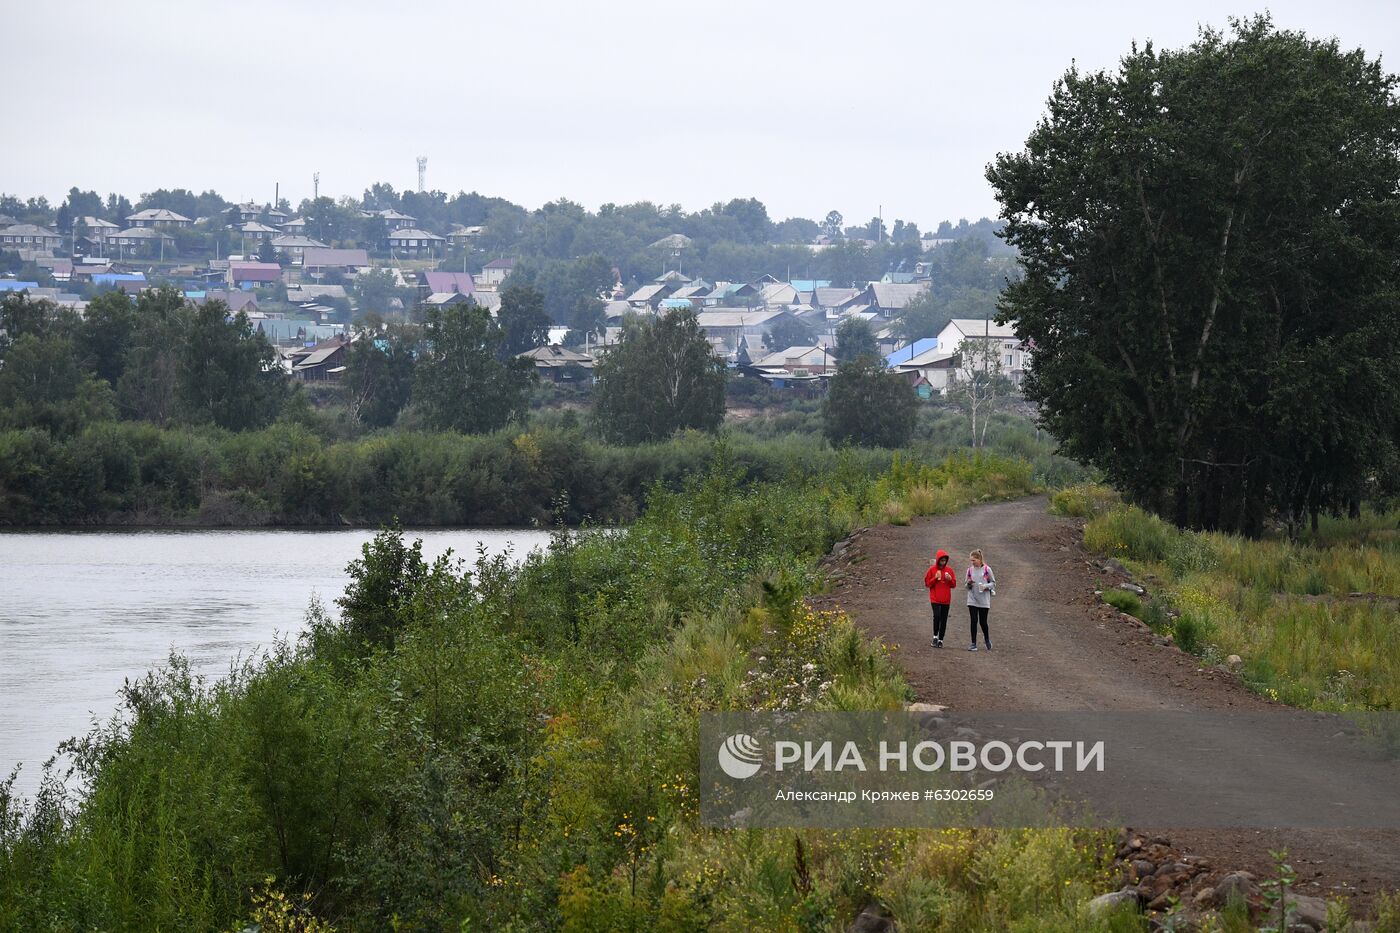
82	611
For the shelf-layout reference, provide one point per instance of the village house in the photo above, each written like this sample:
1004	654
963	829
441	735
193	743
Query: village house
158	217
252	230
322	363
394	220
1002	346
318	260
460	236
413	242
799	361
253	274
237	301
294	247
30	237
495	272
725	327
929	369
446	282
133	239
294	227
560	364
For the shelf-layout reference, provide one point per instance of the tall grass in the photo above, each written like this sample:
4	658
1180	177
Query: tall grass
1287	608
490	746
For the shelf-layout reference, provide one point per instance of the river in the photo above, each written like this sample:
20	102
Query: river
82	611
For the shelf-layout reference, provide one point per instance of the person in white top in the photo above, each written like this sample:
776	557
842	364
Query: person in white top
981	586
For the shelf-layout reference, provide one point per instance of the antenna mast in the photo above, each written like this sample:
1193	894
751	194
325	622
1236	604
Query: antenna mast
315	185
422	172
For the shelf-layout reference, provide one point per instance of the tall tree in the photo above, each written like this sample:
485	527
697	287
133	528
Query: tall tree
379	374
866	404
228	372
1209	238
855	339
524	324
663	377
461	384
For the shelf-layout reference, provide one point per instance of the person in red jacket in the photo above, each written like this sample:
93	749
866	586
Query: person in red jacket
940	580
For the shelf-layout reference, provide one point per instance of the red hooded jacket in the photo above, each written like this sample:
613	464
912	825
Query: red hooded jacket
940	581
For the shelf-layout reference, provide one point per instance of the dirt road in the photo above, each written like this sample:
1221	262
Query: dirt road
1058	647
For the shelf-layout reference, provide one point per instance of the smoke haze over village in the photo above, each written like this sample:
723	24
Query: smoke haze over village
805	106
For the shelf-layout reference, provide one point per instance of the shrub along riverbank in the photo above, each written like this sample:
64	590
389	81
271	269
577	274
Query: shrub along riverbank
1316	622
305	473
513	747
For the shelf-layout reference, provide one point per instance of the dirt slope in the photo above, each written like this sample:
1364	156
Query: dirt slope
1057	647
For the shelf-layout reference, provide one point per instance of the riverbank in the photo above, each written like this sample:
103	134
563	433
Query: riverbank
128	474
516	745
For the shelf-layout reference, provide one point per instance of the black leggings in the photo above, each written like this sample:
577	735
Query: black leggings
979	616
940	620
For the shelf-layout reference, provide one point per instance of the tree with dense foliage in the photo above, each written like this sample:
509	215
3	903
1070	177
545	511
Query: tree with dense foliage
791	332
662	378
227	372
522	318
855	338
1209	238
379	374
461	382
868	405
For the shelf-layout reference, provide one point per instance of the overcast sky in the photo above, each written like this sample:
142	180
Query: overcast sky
808	106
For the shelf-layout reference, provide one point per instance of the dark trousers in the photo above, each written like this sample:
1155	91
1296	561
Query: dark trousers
979	617
940	620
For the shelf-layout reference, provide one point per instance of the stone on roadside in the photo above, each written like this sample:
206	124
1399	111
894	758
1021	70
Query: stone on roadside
1114	901
1308	912
1238	885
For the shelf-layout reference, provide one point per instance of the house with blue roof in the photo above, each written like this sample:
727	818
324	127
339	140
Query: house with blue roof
907	352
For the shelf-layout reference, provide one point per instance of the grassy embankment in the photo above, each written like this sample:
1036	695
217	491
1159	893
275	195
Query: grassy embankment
497	747
320	468
1316	622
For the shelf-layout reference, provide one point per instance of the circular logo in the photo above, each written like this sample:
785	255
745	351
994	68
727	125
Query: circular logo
740	756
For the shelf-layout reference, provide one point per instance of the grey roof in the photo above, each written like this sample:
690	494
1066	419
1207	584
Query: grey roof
446	298
159	213
553	356
674	241
324	256
141	233
319	355
412	233
315	292
253	226
648	292
892	295
780	357
391	214
834	297
97	223
295	241
29	230
972	327
736	317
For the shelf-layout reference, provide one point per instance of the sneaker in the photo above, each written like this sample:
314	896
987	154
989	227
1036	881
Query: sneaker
972	647
938	643
933	644
989	646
